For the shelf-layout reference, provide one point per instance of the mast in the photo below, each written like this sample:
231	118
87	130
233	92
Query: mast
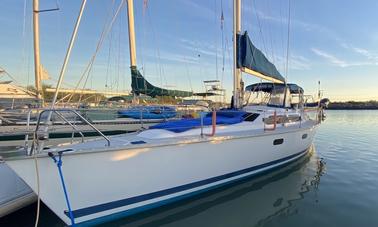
237	99
130	14
37	64
132	45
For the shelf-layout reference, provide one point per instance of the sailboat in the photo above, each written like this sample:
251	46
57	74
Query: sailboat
104	179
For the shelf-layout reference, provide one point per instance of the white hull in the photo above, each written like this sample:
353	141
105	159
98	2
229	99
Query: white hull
14	193
116	182
252	202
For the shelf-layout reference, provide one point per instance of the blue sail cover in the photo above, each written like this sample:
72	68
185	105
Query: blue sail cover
223	118
250	57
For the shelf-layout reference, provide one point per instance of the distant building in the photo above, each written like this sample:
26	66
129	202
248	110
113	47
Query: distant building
13	96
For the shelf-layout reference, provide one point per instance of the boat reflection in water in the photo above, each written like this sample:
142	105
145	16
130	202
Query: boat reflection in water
254	202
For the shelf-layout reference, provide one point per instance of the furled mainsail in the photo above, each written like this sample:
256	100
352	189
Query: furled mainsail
140	85
252	61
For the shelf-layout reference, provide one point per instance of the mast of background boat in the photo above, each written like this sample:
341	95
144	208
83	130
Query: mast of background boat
237	98
130	14
132	45
37	64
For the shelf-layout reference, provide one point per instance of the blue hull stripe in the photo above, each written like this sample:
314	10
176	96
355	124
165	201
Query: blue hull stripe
136	199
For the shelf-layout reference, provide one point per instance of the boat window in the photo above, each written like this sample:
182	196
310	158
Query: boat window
250	116
277	97
278	141
304	136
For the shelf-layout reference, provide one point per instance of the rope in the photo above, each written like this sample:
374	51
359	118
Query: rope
38	188
59	163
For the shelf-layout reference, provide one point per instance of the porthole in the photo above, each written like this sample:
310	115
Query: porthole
278	141
304	136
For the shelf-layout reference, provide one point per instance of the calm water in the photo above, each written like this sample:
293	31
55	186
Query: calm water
335	185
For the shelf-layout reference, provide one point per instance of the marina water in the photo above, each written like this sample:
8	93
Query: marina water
335	185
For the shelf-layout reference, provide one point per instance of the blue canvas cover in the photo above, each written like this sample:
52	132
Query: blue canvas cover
149	112
269	87
250	57
224	117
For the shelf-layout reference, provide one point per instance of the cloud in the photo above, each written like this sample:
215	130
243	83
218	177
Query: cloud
296	62
300	24
174	57
338	62
199	9
372	57
329	57
304	25
299	63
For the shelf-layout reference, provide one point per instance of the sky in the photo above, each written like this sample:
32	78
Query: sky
180	43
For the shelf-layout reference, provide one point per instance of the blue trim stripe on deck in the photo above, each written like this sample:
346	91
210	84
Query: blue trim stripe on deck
140	198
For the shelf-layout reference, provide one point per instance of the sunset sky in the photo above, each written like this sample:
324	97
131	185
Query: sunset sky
179	43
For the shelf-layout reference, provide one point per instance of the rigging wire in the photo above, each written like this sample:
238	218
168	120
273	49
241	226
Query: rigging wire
119	51
216	39
288	43
282	34
23	41
103	36
99	44
157	50
187	73
107	86
143	41
223	45
271	35
260	27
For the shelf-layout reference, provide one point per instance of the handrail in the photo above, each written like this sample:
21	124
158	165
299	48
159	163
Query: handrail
64	119
70	124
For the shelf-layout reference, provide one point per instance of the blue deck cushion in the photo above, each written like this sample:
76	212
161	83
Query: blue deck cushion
224	117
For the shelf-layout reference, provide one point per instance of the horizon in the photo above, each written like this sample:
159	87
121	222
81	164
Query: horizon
179	45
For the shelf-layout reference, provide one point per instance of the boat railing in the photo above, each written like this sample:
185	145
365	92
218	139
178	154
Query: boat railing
36	134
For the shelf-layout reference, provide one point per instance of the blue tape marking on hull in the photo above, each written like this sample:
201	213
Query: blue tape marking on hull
128	201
